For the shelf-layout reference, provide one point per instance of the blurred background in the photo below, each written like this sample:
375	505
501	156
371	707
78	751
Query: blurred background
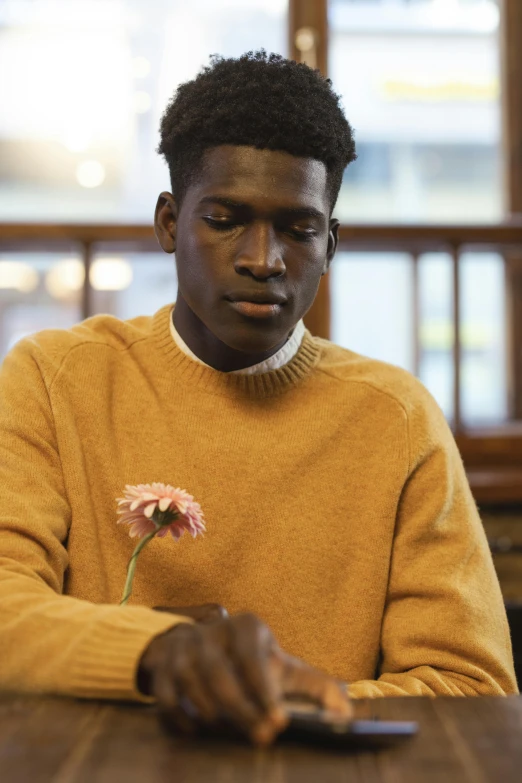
429	272
86	81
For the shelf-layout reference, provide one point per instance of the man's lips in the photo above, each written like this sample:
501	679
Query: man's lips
256	309
257	297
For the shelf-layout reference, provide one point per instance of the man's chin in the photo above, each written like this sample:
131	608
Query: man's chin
248	342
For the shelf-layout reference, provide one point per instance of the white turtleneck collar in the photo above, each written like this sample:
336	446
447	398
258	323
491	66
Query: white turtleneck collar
279	359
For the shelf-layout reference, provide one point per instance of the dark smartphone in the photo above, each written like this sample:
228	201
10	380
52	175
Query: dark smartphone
317	726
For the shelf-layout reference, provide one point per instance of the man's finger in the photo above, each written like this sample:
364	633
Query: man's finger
252	647
300	679
163	687
170	711
192	686
231	699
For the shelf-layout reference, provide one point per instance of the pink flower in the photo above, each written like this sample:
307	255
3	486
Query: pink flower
155	510
160	508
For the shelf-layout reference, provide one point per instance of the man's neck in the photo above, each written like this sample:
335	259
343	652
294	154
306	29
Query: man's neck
208	348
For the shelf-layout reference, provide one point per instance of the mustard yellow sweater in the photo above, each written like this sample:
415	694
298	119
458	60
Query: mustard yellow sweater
336	503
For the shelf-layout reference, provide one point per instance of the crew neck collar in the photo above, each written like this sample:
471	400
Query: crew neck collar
278	359
264	384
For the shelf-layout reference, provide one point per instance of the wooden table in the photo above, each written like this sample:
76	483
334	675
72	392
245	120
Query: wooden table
66	741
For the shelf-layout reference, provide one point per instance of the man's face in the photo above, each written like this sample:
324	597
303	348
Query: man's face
253	227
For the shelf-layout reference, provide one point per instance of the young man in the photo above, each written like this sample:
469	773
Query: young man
339	518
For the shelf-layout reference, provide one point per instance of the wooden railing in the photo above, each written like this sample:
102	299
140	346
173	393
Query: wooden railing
494	457
416	240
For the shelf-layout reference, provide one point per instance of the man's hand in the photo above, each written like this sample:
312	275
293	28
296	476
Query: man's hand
231	668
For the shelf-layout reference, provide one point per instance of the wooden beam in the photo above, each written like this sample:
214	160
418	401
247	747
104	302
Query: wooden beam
496	486
417	315
423	237
87	258
308	43
364	235
457	349
309	16
511	61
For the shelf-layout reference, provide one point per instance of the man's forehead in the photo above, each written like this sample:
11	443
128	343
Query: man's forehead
242	173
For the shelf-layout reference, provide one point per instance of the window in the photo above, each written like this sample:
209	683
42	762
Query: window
419	81
79	146
95	76
420	84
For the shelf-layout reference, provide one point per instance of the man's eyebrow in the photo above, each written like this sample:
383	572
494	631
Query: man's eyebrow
295	212
224	202
298	212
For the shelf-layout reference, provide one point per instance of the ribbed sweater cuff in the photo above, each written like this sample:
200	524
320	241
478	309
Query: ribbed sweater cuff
106	661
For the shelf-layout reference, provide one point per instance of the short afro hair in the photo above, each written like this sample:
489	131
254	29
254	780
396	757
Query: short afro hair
258	100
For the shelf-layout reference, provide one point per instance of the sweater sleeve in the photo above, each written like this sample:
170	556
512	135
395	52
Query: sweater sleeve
49	642
444	630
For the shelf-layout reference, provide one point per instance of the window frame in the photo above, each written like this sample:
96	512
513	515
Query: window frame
494	457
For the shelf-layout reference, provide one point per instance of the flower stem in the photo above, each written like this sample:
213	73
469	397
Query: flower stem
127	590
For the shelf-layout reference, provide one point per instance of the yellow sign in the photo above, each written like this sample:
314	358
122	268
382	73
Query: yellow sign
402	90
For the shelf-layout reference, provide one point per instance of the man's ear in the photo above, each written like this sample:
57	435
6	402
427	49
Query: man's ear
165	221
333	241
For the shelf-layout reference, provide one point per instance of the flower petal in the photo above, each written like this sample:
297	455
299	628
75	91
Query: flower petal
164	503
149	496
137	508
150	509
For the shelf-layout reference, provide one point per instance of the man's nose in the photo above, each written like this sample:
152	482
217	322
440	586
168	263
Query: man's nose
259	252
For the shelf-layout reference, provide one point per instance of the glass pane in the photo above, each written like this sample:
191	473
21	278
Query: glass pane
420	84
484	368
37	291
436	327
84	85
131	284
372	313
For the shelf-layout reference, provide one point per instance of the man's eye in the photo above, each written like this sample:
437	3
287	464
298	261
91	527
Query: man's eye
303	233
220	223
